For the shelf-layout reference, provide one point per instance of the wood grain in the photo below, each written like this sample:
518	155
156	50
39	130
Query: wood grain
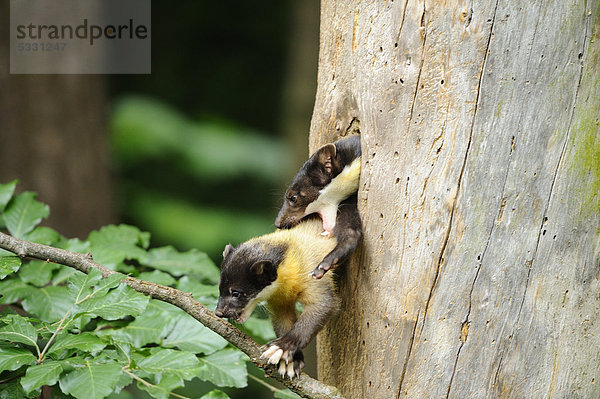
479	272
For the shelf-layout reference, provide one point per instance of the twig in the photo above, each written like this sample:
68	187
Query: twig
304	385
149	385
58	329
264	384
61	327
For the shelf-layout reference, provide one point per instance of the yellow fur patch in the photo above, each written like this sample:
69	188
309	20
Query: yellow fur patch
306	249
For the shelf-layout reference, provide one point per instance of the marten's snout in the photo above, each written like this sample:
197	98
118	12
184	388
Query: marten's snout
286	217
279	219
221	310
224	309
285	221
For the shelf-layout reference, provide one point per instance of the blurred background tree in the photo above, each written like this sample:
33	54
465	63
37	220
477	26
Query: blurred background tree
198	153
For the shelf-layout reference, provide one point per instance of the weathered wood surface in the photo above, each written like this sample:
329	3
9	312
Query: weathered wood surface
479	275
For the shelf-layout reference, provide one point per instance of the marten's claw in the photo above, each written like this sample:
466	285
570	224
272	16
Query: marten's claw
320	270
288	356
272	354
282	368
291	372
289	363
287	369
292	369
323	267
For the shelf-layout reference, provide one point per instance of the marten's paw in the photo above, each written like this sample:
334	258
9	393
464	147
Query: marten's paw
274	354
323	267
293	369
290	360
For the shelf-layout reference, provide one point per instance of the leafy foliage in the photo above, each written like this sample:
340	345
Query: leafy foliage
285	394
9	265
89	337
23	213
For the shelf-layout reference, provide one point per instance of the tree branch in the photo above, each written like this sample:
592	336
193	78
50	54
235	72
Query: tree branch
304	385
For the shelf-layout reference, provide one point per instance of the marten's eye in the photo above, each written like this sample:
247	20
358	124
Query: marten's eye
293	199
235	294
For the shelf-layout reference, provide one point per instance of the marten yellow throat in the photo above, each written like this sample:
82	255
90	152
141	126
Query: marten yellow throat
275	269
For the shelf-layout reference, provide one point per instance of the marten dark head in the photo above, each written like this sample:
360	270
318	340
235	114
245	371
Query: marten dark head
246	272
316	173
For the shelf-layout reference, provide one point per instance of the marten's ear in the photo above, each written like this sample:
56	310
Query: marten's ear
227	250
325	155
264	270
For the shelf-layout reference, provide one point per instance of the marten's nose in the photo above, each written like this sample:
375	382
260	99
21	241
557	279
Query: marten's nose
218	312
278	221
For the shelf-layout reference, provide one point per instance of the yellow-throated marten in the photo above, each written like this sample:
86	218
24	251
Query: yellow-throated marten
326	184
275	268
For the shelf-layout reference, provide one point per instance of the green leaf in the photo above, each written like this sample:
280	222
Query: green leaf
142	331
49	303
14	358
202	292
112	244
157	277
9	265
74	245
13	390
84	286
215	394
4	252
71	363
189	335
6	193
18	329
80	284
41	374
85	342
168	361
120	302
13	289
225	368
124	380
107	283
121	395
285	394
63	274
37	272
23	213
260	328
92	381
43	235
162	385
192	262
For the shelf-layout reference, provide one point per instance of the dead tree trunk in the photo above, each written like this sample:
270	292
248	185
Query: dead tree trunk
480	197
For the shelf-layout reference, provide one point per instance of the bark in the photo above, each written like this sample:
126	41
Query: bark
479	272
53	139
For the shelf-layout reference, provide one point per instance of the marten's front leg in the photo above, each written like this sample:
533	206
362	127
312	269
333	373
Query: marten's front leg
286	350
348	233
